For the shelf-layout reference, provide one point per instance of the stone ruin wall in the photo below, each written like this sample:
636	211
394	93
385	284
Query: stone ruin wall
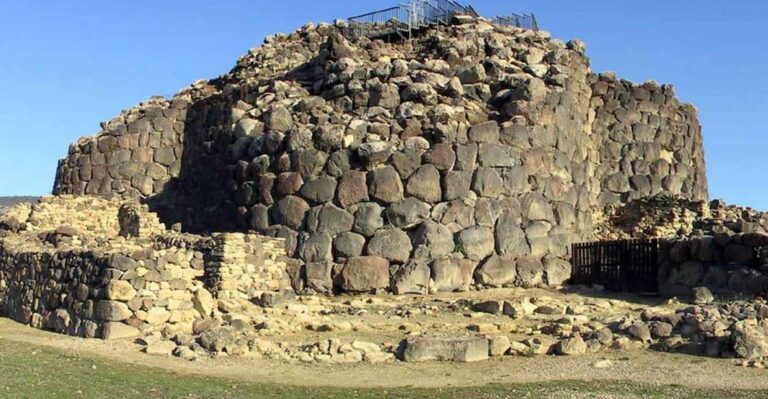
69	270
89	215
109	295
650	143
134	156
730	265
246	265
474	155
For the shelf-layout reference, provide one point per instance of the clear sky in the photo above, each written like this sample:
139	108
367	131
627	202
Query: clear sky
66	65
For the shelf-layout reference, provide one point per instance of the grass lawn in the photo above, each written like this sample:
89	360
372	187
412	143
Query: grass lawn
36	372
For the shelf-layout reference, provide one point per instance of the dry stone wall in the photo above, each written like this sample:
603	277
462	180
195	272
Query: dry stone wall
94	216
649	142
93	293
730	265
81	276
135	155
246	265
471	155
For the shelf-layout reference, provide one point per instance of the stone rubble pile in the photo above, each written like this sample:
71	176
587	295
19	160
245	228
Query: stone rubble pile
664	216
516	327
729	330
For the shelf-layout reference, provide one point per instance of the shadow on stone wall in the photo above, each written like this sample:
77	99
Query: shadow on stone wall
200	197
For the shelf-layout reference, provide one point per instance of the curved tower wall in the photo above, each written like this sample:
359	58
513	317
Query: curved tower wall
475	153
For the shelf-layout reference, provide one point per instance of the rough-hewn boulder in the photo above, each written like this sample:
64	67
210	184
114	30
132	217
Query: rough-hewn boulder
476	242
424	184
497	271
530	271
412	278
453	273
352	188
364	274
391	244
385	185
436	238
368	219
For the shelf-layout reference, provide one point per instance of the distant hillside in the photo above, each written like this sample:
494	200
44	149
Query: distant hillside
8	202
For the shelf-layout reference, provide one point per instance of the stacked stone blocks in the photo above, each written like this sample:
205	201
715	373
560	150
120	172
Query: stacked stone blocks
136	154
246	265
651	142
97	283
730	265
472	154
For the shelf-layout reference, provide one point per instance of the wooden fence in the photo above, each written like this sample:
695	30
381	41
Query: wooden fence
624	265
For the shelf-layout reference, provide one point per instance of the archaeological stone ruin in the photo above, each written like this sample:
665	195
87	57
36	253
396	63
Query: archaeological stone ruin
470	156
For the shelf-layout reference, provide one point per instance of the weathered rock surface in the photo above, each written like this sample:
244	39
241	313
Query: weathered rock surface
391	244
364	274
412	278
446	349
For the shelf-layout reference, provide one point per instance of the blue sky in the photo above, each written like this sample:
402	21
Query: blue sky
66	65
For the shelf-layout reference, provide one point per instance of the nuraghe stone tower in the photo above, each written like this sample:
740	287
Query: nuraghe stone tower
471	154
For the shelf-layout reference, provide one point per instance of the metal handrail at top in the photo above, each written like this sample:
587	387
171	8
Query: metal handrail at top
471	11
432	15
400	20
366	15
525	21
451	7
379	23
404	20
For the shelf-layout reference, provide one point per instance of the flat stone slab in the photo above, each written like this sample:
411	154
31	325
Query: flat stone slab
465	349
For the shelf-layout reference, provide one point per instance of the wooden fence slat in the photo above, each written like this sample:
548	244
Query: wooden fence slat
620	265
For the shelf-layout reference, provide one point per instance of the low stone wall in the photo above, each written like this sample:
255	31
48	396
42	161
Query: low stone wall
728	264
246	265
91	216
88	276
133	290
94	293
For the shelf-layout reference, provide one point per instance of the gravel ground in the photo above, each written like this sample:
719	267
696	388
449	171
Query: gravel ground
640	366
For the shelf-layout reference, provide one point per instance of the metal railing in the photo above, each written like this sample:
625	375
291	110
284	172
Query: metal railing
405	19
469	10
432	15
451	7
380	23
525	21
408	18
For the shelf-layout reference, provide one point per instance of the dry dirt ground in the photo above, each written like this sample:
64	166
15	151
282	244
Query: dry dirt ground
643	366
